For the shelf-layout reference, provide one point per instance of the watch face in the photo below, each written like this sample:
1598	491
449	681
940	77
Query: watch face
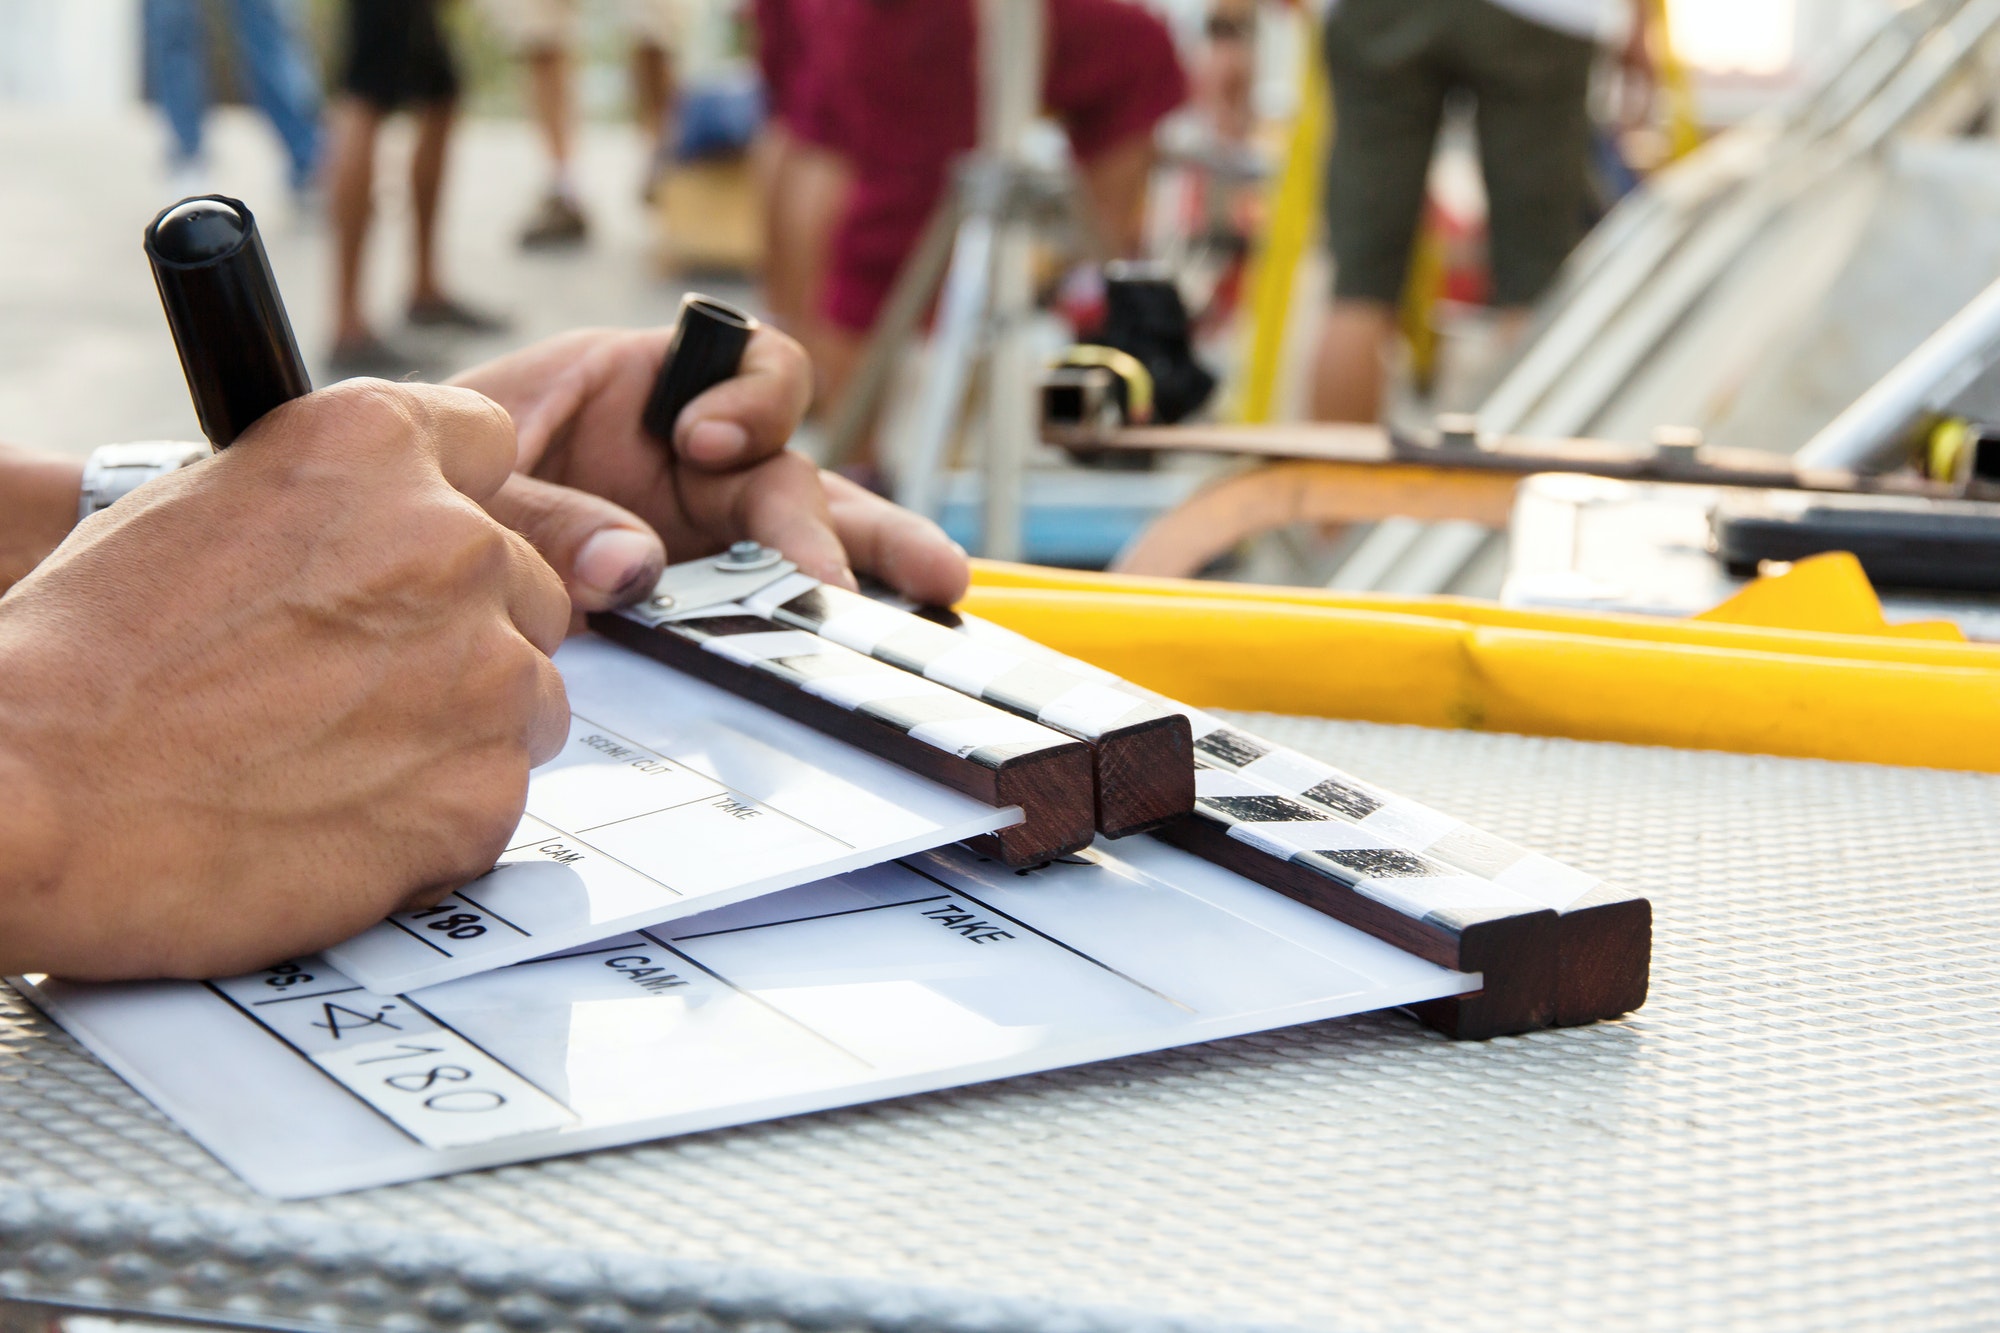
115	470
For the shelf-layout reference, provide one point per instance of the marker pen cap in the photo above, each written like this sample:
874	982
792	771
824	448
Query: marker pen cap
228	321
707	348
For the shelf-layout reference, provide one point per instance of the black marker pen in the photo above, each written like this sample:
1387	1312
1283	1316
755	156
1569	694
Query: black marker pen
228	321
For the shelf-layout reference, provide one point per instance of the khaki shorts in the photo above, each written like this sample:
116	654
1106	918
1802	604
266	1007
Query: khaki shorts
1394	64
535	24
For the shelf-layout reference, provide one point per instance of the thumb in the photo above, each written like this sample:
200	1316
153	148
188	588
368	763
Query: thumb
606	555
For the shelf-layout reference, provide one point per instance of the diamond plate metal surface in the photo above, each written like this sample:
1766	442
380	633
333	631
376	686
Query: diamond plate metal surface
1801	1130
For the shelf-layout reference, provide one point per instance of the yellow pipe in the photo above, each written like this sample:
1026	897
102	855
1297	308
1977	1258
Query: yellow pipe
1683	116
1291	210
1434	671
996	577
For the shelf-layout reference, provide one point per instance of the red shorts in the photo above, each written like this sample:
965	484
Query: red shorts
900	100
786	39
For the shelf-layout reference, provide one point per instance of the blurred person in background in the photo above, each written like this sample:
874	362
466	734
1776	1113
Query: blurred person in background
1394	64
396	56
898	88
271	63
801	177
545	33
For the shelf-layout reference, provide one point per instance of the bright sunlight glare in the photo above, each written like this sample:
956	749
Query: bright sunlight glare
1733	36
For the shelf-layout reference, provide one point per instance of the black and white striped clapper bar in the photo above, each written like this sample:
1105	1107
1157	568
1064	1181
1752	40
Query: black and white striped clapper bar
1557	947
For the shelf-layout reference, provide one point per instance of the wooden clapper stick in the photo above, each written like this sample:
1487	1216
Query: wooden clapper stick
1012	722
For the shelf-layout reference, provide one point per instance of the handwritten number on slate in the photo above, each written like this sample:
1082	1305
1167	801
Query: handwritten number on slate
340	1020
456	925
450	1101
404	1051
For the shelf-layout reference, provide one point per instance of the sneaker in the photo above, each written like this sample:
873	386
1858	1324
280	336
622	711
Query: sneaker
368	357
558	223
445	313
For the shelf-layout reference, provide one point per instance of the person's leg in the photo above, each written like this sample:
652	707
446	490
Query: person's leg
1350	366
350	203
808	196
559	219
427	164
545	33
652	92
432	93
549	94
177	58
282	82
1532	86
1388	97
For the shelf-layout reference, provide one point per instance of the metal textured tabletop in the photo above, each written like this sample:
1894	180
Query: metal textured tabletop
1802	1129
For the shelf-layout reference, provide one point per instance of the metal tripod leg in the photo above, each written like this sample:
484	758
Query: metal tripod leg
1011	401
955	347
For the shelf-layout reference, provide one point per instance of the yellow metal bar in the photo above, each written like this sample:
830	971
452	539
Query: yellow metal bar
1683	116
1449	662
1291	209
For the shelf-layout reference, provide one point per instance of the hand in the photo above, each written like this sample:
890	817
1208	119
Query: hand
262	702
576	401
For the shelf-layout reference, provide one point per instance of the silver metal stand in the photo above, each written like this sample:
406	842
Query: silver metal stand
1878	430
1633	285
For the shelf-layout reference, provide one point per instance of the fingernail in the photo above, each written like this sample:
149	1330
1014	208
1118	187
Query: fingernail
848	581
716	441
618	563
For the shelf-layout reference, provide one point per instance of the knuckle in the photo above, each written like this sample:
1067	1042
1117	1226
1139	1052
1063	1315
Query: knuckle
474	552
475	420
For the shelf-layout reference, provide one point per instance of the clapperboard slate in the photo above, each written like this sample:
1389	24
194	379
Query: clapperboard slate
845	852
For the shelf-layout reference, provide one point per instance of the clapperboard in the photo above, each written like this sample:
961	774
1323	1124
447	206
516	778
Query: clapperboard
1083	753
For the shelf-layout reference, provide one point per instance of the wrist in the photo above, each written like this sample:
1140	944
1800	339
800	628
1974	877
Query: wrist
38	495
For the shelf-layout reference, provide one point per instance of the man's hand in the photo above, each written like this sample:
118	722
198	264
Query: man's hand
265	701
576	401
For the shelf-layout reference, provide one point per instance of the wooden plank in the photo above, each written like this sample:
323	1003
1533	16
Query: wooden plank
1220	517
967	745
1142	751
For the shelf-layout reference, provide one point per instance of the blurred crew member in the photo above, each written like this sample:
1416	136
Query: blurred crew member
801	177
279	78
545	32
899	91
396	57
1394	63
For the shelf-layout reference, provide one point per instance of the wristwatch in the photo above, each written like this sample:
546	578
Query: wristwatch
114	470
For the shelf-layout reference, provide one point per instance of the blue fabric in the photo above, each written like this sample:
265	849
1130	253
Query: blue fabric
719	119
276	73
